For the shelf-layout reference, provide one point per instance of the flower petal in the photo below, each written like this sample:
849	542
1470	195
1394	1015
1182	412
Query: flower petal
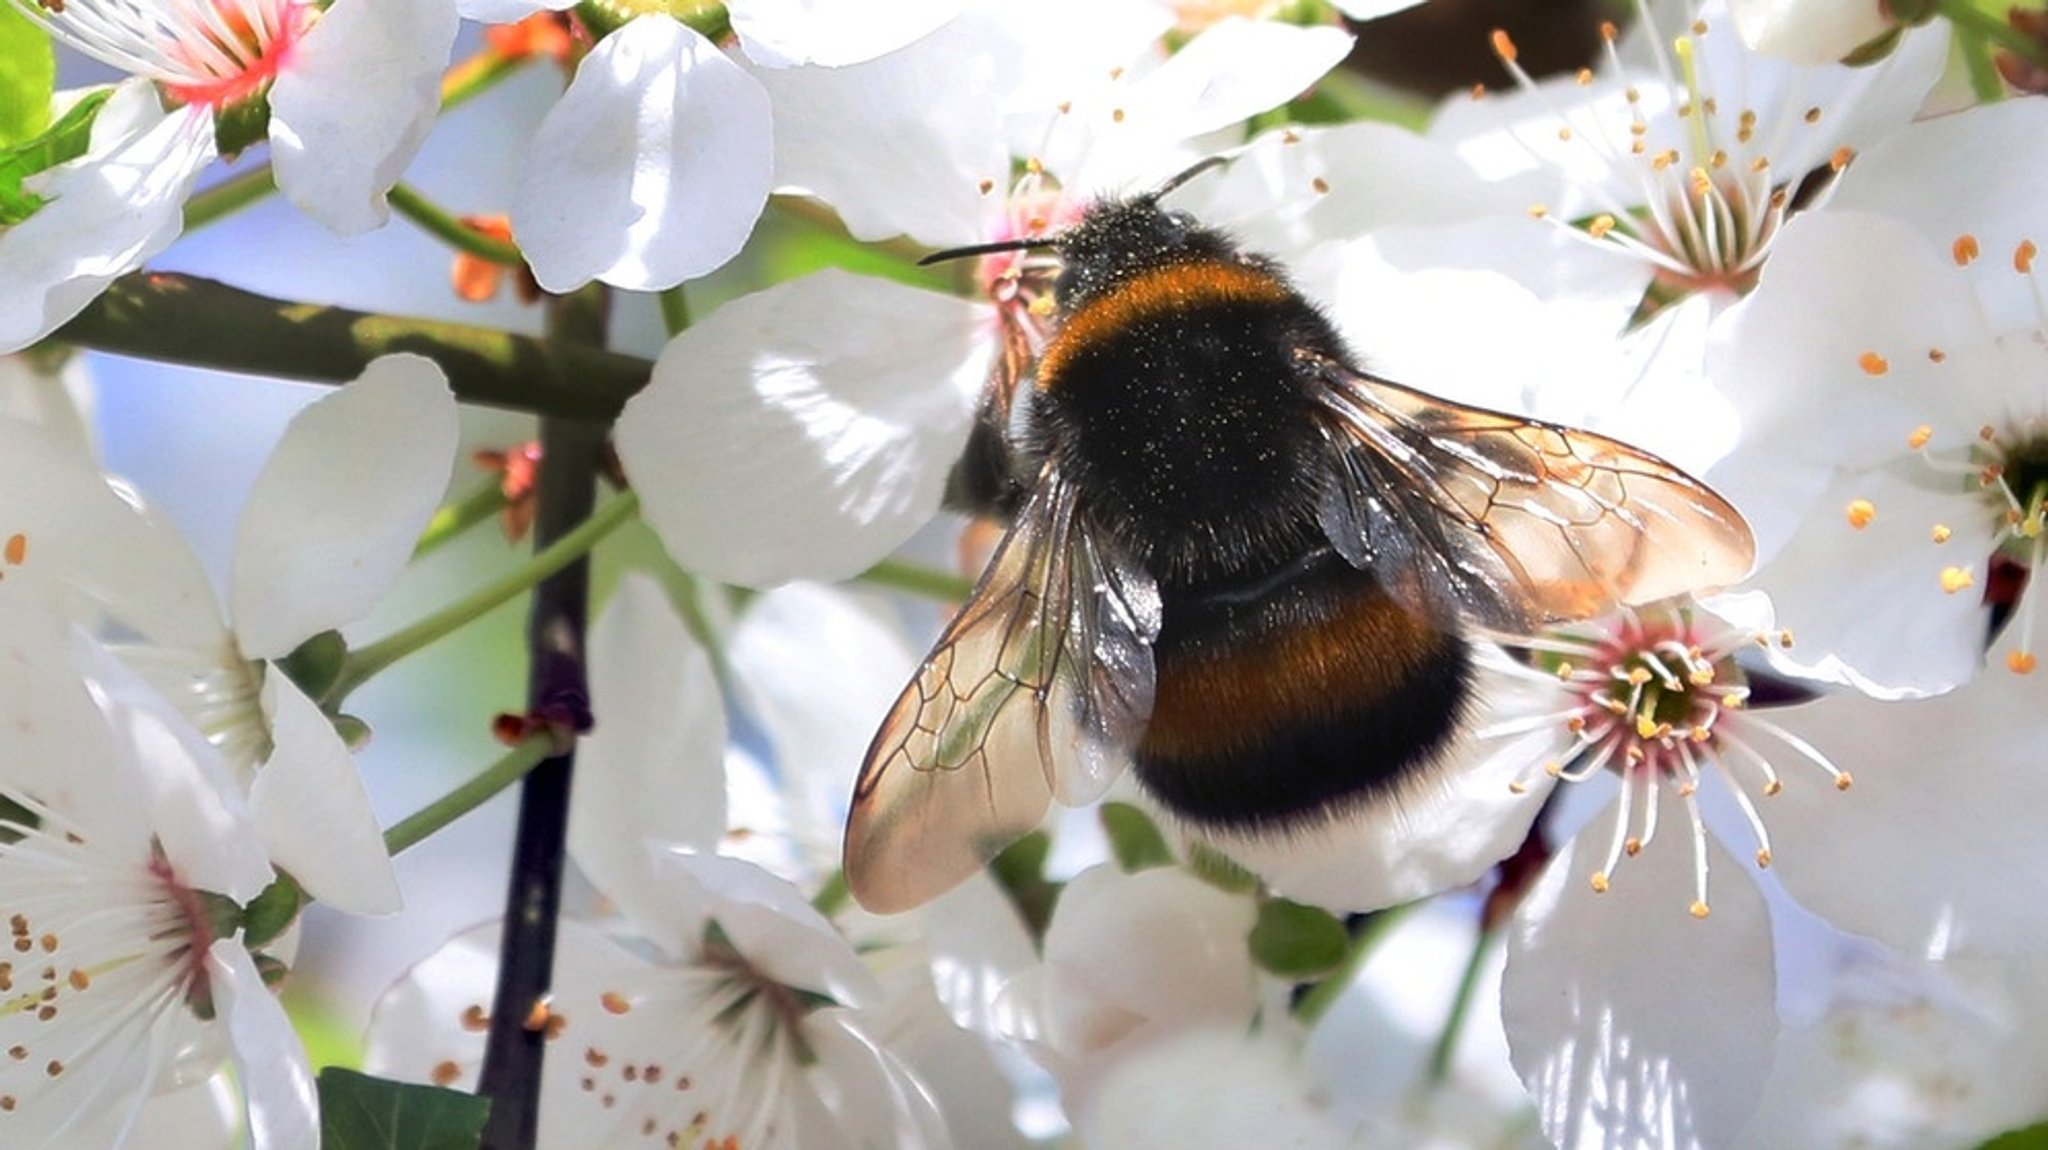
652	773
879	1101
59	400
337	508
817	667
832	33
105	212
768	920
507	11
1808	31
312	811
902	145
652	167
807	430
269	1059
1631	1022
354	104
1921	851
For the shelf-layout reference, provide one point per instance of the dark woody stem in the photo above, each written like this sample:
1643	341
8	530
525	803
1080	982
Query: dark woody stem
558	695
201	323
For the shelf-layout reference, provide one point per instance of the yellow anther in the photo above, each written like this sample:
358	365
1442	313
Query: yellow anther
1964	250
1941	533
1918	439
1503	46
1844	781
1954	579
1699	909
1763	856
2023	257
1873	363
1598	882
1861	512
2020	662
1601	225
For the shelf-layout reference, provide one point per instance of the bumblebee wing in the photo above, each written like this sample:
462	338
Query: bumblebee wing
1524	523
1037	689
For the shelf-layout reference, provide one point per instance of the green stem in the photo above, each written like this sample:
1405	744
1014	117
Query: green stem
227	197
675	311
1985	82
428	820
200	323
1966	16
365	661
449	229
1366	939
1454	1023
455	518
925	581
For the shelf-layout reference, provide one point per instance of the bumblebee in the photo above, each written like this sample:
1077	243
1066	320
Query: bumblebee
1242	566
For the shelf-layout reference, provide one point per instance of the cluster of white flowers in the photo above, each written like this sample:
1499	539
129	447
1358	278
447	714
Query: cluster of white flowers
1811	283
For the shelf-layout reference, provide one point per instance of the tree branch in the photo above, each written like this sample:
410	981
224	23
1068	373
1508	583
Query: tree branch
202	323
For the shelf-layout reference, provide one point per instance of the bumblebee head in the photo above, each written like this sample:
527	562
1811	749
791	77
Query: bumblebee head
1117	238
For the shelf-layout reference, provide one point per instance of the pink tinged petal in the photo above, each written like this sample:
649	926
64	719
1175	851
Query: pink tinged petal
1927	850
769	921
337	508
875	1099
1631	1022
1808	31
1446	831
1159	948
652	773
804	432
1868	602
902	145
832	33
311	809
269	1060
354	103
652	167
105	212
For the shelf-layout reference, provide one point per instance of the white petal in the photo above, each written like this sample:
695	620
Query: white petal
337	508
1211	1088
817	668
805	431
652	772
1935	175
977	944
1867	603
1232	70
355	103
652	167
902	145
1808	31
874	1098
1373	9
61	402
1158	947
507	11
768	921
106	212
197	809
1921	851
90	550
1632	1023
832	33
269	1060
310	806
419	1023
1447	831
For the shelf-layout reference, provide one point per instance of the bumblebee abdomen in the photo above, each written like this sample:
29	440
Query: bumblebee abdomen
1275	708
1175	400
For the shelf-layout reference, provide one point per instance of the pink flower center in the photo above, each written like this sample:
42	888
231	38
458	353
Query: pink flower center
239	50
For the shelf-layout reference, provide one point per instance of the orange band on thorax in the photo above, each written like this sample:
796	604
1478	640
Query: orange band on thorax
1160	291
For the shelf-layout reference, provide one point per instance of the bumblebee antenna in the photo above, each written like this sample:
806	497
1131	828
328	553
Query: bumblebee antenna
1172	183
1021	243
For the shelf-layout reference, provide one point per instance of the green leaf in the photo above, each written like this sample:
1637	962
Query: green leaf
61	142
28	76
1296	941
1133	837
2033	1137
360	1112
